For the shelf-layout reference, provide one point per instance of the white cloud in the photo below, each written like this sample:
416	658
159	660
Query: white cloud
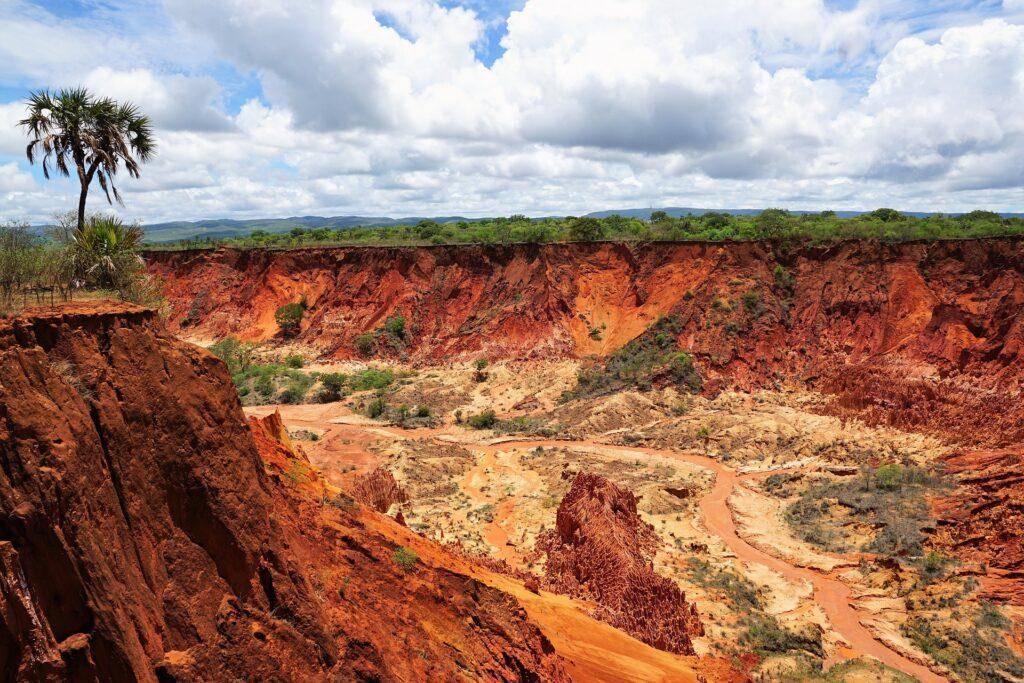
174	102
381	107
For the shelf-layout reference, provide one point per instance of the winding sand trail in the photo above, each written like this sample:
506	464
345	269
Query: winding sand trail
832	594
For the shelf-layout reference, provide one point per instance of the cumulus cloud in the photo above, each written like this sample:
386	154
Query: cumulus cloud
383	106
174	102
941	109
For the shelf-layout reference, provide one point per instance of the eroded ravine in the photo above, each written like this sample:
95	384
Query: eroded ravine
830	593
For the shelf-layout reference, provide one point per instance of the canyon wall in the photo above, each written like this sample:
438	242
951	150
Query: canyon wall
143	537
935	329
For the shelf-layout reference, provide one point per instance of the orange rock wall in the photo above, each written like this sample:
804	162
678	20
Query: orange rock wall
141	538
939	321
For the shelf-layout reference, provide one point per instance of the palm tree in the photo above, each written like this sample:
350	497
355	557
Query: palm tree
94	135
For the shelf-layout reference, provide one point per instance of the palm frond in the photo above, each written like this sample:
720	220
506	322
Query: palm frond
72	127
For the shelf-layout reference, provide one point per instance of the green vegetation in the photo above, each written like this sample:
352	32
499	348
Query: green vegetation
654	356
103	255
392	335
287	382
775	224
977	652
236	355
96	136
740	592
365	344
889	500
480	369
484	420
860	669
289	318
764	635
762	632
405	558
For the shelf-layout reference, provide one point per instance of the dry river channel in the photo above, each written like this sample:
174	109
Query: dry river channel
830	592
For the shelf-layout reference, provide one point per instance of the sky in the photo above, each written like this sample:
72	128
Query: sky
270	108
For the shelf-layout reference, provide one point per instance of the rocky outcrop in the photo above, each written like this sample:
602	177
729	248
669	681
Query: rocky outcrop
378	490
941	320
983	519
602	551
141	538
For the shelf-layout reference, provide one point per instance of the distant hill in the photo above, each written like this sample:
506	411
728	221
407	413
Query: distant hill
227	227
677	211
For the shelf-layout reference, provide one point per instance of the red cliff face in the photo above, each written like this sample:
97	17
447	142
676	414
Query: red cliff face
378	490
601	550
984	519
142	539
917	317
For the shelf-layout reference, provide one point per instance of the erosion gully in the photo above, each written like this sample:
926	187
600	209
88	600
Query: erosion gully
831	593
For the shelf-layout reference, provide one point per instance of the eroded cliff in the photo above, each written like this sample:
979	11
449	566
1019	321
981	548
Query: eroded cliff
143	537
938	322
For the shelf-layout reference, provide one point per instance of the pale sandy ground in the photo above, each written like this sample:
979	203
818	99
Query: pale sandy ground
495	494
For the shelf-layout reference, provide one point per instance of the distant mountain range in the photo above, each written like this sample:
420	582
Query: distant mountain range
217	228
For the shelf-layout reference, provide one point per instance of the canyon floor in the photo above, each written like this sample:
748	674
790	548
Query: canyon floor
714	477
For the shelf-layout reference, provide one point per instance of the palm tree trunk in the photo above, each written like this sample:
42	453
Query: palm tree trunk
85	178
81	206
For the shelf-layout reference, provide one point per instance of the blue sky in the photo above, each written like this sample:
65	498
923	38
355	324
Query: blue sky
482	107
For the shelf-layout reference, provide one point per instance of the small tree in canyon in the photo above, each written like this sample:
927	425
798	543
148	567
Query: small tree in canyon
289	318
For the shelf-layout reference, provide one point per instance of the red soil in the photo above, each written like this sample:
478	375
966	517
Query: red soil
378	490
601	550
142	539
983	520
925	336
940	320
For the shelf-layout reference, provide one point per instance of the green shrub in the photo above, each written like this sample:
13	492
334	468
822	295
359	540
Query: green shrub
395	326
371	378
773	224
898	512
295	361
295	390
784	280
333	387
765	635
479	369
889	477
652	356
405	558
376	407
586	230
365	344
975	653
752	303
235	354
484	420
289	318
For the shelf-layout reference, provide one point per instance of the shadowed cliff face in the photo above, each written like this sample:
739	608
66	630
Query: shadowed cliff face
141	537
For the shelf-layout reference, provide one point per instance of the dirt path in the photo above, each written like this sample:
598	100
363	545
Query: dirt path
832	594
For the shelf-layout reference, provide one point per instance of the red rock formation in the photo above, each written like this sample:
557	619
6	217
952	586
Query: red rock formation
601	550
142	540
983	519
378	490
947	314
